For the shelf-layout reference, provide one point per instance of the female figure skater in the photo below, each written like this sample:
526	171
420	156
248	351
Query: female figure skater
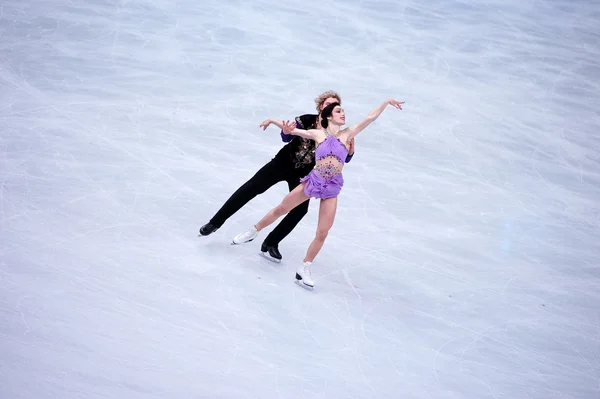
325	181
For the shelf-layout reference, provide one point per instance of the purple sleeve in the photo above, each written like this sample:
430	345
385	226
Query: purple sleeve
349	158
286	138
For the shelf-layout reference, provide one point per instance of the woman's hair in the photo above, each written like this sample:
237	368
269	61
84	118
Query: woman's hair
326	113
324	96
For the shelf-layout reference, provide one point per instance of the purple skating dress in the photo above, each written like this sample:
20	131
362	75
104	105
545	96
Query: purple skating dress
326	180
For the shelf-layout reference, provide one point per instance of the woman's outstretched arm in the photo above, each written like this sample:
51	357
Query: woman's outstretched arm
290	128
357	128
265	124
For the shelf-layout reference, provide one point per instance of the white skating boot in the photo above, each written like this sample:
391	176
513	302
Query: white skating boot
246	236
303	275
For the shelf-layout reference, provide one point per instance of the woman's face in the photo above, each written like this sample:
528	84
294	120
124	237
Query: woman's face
338	116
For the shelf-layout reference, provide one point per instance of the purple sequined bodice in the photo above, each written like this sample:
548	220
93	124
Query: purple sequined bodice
326	180
331	146
330	156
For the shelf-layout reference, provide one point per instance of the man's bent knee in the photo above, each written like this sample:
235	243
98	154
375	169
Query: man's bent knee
301	210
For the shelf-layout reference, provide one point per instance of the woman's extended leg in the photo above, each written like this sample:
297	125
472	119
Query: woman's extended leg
292	200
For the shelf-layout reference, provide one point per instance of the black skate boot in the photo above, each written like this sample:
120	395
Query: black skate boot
208	229
270	252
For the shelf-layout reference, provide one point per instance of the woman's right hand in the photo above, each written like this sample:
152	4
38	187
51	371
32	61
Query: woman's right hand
288	127
266	124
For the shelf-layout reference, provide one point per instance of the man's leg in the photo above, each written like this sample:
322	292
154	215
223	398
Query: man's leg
285	227
265	178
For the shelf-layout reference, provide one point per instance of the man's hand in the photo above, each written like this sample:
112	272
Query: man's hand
351	147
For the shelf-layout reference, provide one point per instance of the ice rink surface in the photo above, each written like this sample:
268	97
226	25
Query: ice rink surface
464	260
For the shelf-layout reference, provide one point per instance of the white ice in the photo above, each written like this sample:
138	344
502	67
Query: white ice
464	260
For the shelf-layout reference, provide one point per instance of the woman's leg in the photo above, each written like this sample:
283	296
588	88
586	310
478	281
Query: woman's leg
327	210
292	200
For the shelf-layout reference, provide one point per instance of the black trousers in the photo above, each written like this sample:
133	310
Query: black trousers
272	173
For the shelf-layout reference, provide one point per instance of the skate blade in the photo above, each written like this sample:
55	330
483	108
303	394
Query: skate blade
306	287
300	282
245	242
267	257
